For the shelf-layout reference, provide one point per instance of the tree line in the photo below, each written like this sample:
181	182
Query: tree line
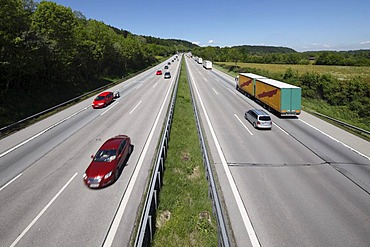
50	53
282	55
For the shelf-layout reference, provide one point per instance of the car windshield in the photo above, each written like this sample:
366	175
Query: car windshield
265	118
98	98
105	155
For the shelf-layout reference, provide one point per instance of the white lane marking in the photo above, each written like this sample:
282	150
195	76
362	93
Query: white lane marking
42	211
231	91
11	181
205	78
139	86
113	105
135	107
117	219
280	128
155	85
239	201
215	91
243	124
42	132
322	132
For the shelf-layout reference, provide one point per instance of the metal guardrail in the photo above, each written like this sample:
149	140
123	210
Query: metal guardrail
223	238
147	226
362	131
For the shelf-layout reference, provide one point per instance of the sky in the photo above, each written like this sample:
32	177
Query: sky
304	25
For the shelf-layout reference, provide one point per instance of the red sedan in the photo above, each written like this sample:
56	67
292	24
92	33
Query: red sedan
108	162
159	72
102	100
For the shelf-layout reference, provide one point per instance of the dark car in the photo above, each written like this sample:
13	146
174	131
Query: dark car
166	67
102	100
108	162
167	75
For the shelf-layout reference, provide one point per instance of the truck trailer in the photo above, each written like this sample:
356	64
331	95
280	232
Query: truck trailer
207	64
275	95
200	60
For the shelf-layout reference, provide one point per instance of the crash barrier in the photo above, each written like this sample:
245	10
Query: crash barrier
147	222
354	128
223	238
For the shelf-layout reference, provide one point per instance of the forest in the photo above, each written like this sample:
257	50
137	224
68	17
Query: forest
50	53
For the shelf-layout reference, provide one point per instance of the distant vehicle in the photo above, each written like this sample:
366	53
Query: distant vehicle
102	100
207	64
275	95
259	119
159	72
200	60
167	75
169	63
108	162
116	94
166	67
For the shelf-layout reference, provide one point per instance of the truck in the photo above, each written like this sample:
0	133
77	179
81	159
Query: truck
275	95
200	60
207	64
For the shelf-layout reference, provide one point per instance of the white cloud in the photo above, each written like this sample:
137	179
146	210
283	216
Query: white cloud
211	41
195	42
365	42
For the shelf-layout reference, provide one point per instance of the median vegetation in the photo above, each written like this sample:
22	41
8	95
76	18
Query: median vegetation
184	216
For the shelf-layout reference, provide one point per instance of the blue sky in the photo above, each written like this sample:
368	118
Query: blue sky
299	24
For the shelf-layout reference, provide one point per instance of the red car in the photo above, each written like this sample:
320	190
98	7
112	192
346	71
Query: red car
108	162
102	100
159	72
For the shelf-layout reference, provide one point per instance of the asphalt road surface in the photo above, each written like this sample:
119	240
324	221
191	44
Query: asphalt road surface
44	201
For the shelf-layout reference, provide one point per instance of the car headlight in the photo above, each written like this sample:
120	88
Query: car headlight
84	176
108	175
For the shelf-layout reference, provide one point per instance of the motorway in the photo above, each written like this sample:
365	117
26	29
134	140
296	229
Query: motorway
44	201
303	183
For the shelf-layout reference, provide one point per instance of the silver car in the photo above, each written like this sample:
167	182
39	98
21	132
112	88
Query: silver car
259	119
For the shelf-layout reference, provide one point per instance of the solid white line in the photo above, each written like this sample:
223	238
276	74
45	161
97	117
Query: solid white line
155	85
11	181
135	107
280	128
322	132
243	124
215	91
115	103
117	219
42	132
239	201
42	211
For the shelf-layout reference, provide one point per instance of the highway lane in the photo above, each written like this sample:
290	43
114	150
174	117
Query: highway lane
48	204
291	186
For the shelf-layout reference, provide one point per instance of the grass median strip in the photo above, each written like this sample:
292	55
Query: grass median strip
184	216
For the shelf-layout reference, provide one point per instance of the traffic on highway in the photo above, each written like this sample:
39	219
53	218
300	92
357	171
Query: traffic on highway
79	177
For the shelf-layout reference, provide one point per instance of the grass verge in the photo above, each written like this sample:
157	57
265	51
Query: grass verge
184	216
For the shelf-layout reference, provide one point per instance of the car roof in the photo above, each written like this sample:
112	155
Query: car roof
105	93
113	143
260	112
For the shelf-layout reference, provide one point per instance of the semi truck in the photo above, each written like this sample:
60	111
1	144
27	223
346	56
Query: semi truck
207	64
275	95
200	60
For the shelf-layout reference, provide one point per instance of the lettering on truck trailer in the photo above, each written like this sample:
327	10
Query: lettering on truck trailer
267	94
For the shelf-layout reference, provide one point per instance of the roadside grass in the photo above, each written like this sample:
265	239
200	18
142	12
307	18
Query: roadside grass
184	216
